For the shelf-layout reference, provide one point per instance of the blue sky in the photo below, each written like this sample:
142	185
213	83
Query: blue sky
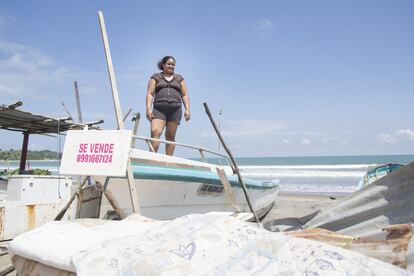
292	78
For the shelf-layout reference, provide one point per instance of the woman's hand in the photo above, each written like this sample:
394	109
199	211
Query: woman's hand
186	100
187	115
149	98
150	116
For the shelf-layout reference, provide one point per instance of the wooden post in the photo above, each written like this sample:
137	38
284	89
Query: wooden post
135	119
23	155
118	112
202	155
80	119
111	72
150	146
75	84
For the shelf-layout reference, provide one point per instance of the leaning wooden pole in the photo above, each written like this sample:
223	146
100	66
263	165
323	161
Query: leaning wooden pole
60	215
118	112
127	114
233	161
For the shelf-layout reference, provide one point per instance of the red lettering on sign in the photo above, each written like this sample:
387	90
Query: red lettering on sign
94	158
83	147
101	148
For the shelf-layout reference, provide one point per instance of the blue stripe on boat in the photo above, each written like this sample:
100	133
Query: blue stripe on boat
142	171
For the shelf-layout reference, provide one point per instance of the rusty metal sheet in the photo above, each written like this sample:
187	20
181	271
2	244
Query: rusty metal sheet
393	249
387	201
2	219
31	216
17	218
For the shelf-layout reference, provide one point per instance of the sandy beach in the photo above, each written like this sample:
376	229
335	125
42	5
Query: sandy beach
289	205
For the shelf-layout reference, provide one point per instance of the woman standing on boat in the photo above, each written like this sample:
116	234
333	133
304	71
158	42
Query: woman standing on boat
165	94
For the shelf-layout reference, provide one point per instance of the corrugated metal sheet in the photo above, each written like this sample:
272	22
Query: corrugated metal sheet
387	201
17	120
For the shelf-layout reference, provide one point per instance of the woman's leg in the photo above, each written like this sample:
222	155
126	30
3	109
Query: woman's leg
170	132
157	127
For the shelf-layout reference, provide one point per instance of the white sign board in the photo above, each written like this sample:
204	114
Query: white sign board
96	152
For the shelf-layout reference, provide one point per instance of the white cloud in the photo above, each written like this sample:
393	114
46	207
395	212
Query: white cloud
305	141
286	141
386	138
27	71
6	20
338	139
264	28
264	25
134	74
406	134
396	136
34	146
252	127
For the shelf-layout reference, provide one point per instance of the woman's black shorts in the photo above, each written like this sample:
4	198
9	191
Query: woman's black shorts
167	111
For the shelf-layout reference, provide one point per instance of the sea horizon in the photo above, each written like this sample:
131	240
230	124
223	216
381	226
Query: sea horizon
324	159
330	175
243	157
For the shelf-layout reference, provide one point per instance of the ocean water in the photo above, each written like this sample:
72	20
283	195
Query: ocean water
330	175
51	165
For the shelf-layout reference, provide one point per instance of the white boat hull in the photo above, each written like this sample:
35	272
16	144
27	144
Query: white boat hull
163	199
169	187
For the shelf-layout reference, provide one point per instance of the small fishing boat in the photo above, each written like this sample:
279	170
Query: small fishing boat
376	173
169	187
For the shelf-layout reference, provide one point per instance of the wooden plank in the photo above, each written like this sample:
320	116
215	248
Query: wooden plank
118	112
115	94
228	189
112	200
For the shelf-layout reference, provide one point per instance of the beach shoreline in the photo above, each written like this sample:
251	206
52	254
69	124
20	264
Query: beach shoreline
297	205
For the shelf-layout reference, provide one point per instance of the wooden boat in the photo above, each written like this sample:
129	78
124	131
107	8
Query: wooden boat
169	187
376	173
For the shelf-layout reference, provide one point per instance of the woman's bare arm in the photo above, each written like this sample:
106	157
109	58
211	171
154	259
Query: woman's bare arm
186	100
150	97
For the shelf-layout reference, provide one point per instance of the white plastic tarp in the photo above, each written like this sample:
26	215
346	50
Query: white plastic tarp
211	244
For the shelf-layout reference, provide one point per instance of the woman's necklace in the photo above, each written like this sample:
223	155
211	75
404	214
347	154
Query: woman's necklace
169	78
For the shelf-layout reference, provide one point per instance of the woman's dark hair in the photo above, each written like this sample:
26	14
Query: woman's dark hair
162	61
